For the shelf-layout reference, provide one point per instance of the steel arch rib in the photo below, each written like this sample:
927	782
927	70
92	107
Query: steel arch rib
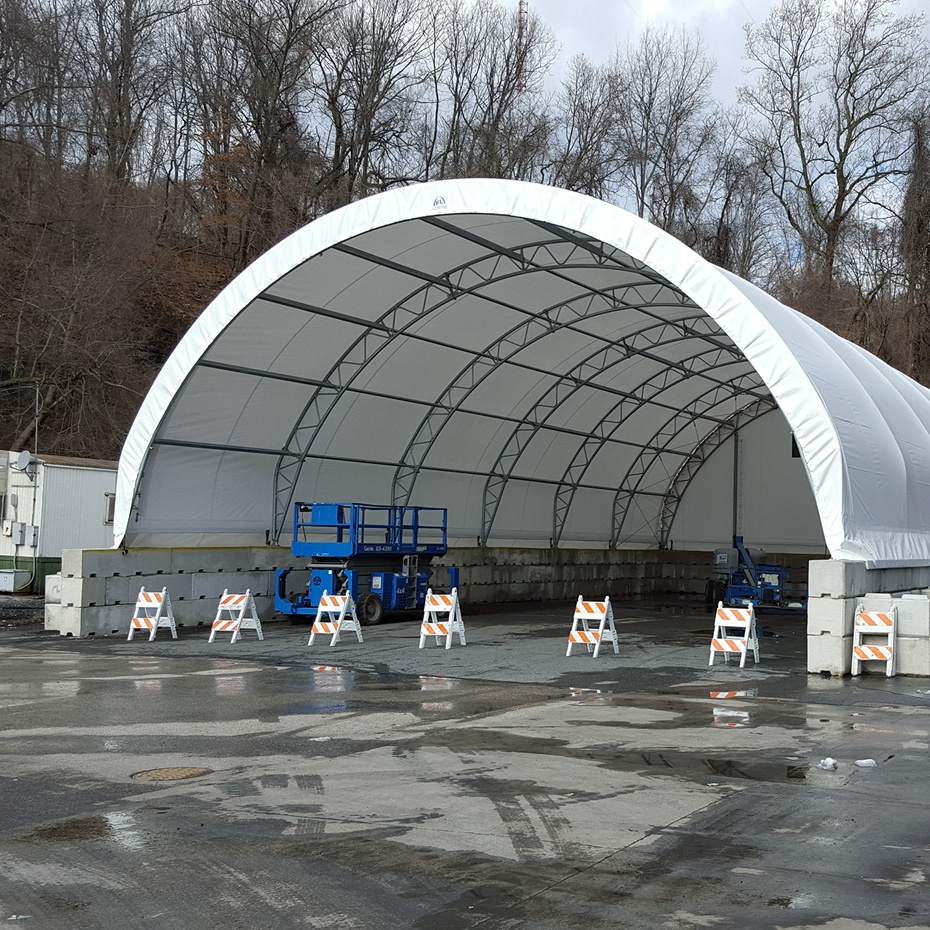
699	455
672	429
469	377
377	334
474	373
643	394
565	387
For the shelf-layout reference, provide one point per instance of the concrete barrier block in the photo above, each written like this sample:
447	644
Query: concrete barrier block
113	620
208	559
830	616
72	562
133	562
83	592
913	615
63	620
826	653
269	558
835	578
875	601
210	587
87	621
53	589
912	656
122	590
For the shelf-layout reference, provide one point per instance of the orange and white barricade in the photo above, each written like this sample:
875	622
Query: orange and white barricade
435	608
734	632
153	610
235	613
340	606
588	613
868	625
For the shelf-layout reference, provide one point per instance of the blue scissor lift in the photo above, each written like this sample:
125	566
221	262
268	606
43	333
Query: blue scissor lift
379	554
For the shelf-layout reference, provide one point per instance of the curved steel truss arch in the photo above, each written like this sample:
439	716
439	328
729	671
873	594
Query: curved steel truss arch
654	337
708	359
669	432
431	295
699	455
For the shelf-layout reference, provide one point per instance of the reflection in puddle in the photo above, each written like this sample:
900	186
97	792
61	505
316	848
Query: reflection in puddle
436	683
325	679
589	695
122	830
230	685
731	718
147	685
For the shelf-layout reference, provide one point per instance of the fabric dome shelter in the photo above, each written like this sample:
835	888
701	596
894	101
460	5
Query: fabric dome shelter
551	368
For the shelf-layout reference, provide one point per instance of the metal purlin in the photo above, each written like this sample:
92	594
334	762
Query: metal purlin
569	383
699	455
455	393
642	395
668	433
584	374
434	294
504	349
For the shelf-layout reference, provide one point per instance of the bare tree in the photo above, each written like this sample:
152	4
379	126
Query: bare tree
491	116
122	47
665	125
587	142
915	251
835	84
370	71
739	226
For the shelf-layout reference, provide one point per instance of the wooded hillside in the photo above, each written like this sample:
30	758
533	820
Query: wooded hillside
150	149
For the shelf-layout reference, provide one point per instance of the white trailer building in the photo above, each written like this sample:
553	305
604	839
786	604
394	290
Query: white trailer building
47	504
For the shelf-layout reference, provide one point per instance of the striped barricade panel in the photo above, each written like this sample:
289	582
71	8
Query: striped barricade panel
874	638
334	615
442	618
324	626
734	633
235	613
873	652
878	621
152	612
588	613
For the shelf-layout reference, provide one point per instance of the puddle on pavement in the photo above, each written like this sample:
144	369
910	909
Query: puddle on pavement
334	689
117	826
696	765
75	828
721	709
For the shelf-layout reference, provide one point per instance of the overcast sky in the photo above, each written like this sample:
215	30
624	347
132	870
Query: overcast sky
595	27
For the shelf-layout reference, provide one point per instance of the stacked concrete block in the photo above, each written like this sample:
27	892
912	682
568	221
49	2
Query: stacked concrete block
99	587
495	575
52	601
838	588
913	635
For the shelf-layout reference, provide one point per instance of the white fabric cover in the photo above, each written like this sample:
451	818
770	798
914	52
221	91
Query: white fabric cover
863	429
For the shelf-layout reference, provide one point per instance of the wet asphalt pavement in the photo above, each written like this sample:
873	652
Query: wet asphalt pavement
180	784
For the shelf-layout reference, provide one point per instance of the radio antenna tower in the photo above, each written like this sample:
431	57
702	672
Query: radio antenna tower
521	42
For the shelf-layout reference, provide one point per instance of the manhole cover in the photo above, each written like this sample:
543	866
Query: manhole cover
172	774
